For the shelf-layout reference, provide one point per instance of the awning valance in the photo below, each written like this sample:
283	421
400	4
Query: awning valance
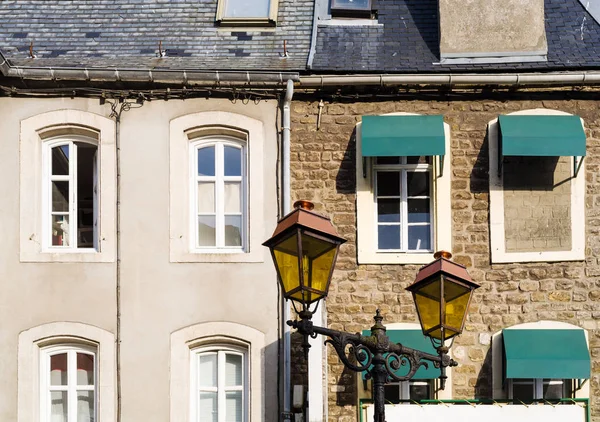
542	136
546	353
415	340
394	136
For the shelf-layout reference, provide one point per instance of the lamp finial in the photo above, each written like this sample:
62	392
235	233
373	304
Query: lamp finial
305	205
442	254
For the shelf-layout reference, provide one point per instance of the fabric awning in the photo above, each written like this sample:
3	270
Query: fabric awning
546	353
415	340
394	136
543	136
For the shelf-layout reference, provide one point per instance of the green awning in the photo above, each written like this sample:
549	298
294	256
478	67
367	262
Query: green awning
542	136
394	136
415	340
546	354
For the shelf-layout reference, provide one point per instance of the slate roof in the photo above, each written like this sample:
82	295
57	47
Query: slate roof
126	33
407	42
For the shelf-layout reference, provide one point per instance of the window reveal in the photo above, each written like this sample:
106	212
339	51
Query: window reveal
403	199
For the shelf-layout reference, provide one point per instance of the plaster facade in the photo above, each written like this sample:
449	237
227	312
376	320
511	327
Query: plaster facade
323	171
158	297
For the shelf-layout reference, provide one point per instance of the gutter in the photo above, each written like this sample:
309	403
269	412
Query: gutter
165	76
515	79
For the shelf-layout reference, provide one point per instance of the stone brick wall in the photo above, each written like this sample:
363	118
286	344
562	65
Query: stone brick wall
323	166
537	203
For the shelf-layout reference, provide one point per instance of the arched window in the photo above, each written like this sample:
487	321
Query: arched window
68	380
219	192
70	191
219	383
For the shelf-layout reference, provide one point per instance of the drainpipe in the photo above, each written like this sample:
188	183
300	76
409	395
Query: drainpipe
285	195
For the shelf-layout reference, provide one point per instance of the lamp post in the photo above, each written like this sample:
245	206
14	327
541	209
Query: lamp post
304	248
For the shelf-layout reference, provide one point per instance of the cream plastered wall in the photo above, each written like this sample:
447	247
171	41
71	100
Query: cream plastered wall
158	297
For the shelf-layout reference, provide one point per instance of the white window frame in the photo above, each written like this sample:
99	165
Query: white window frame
404	169
271	17
499	253
72	178
221	350
501	387
191	128
404	388
537	385
36	131
219	179
71	388
366	208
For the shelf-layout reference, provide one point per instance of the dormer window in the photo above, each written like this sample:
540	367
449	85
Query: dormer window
351	8
247	12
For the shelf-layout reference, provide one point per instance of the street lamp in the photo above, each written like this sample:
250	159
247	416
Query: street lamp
304	248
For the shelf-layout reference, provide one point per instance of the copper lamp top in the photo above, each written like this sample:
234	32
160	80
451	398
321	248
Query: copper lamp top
303	216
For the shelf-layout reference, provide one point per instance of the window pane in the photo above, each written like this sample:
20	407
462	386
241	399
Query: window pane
206	197
388	237
388	210
388	160
206	161
233	230
553	389
418	160
233	406
60	160
388	183
419	391
351	4
58	369
233	198
391	393
85	406
60	196
417	183
60	230
207	370
58	406
86	195
418	211
85	369
207	407
233	370
233	156
523	392
206	231
247	8
419	238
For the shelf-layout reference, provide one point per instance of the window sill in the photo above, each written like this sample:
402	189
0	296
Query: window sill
73	255
373	257
218	256
250	22
350	22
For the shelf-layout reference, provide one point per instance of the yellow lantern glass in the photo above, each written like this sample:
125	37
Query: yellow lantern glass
442	293
304	249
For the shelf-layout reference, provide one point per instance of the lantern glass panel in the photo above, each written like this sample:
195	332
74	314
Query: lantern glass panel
427	300
457	300
286	259
317	260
